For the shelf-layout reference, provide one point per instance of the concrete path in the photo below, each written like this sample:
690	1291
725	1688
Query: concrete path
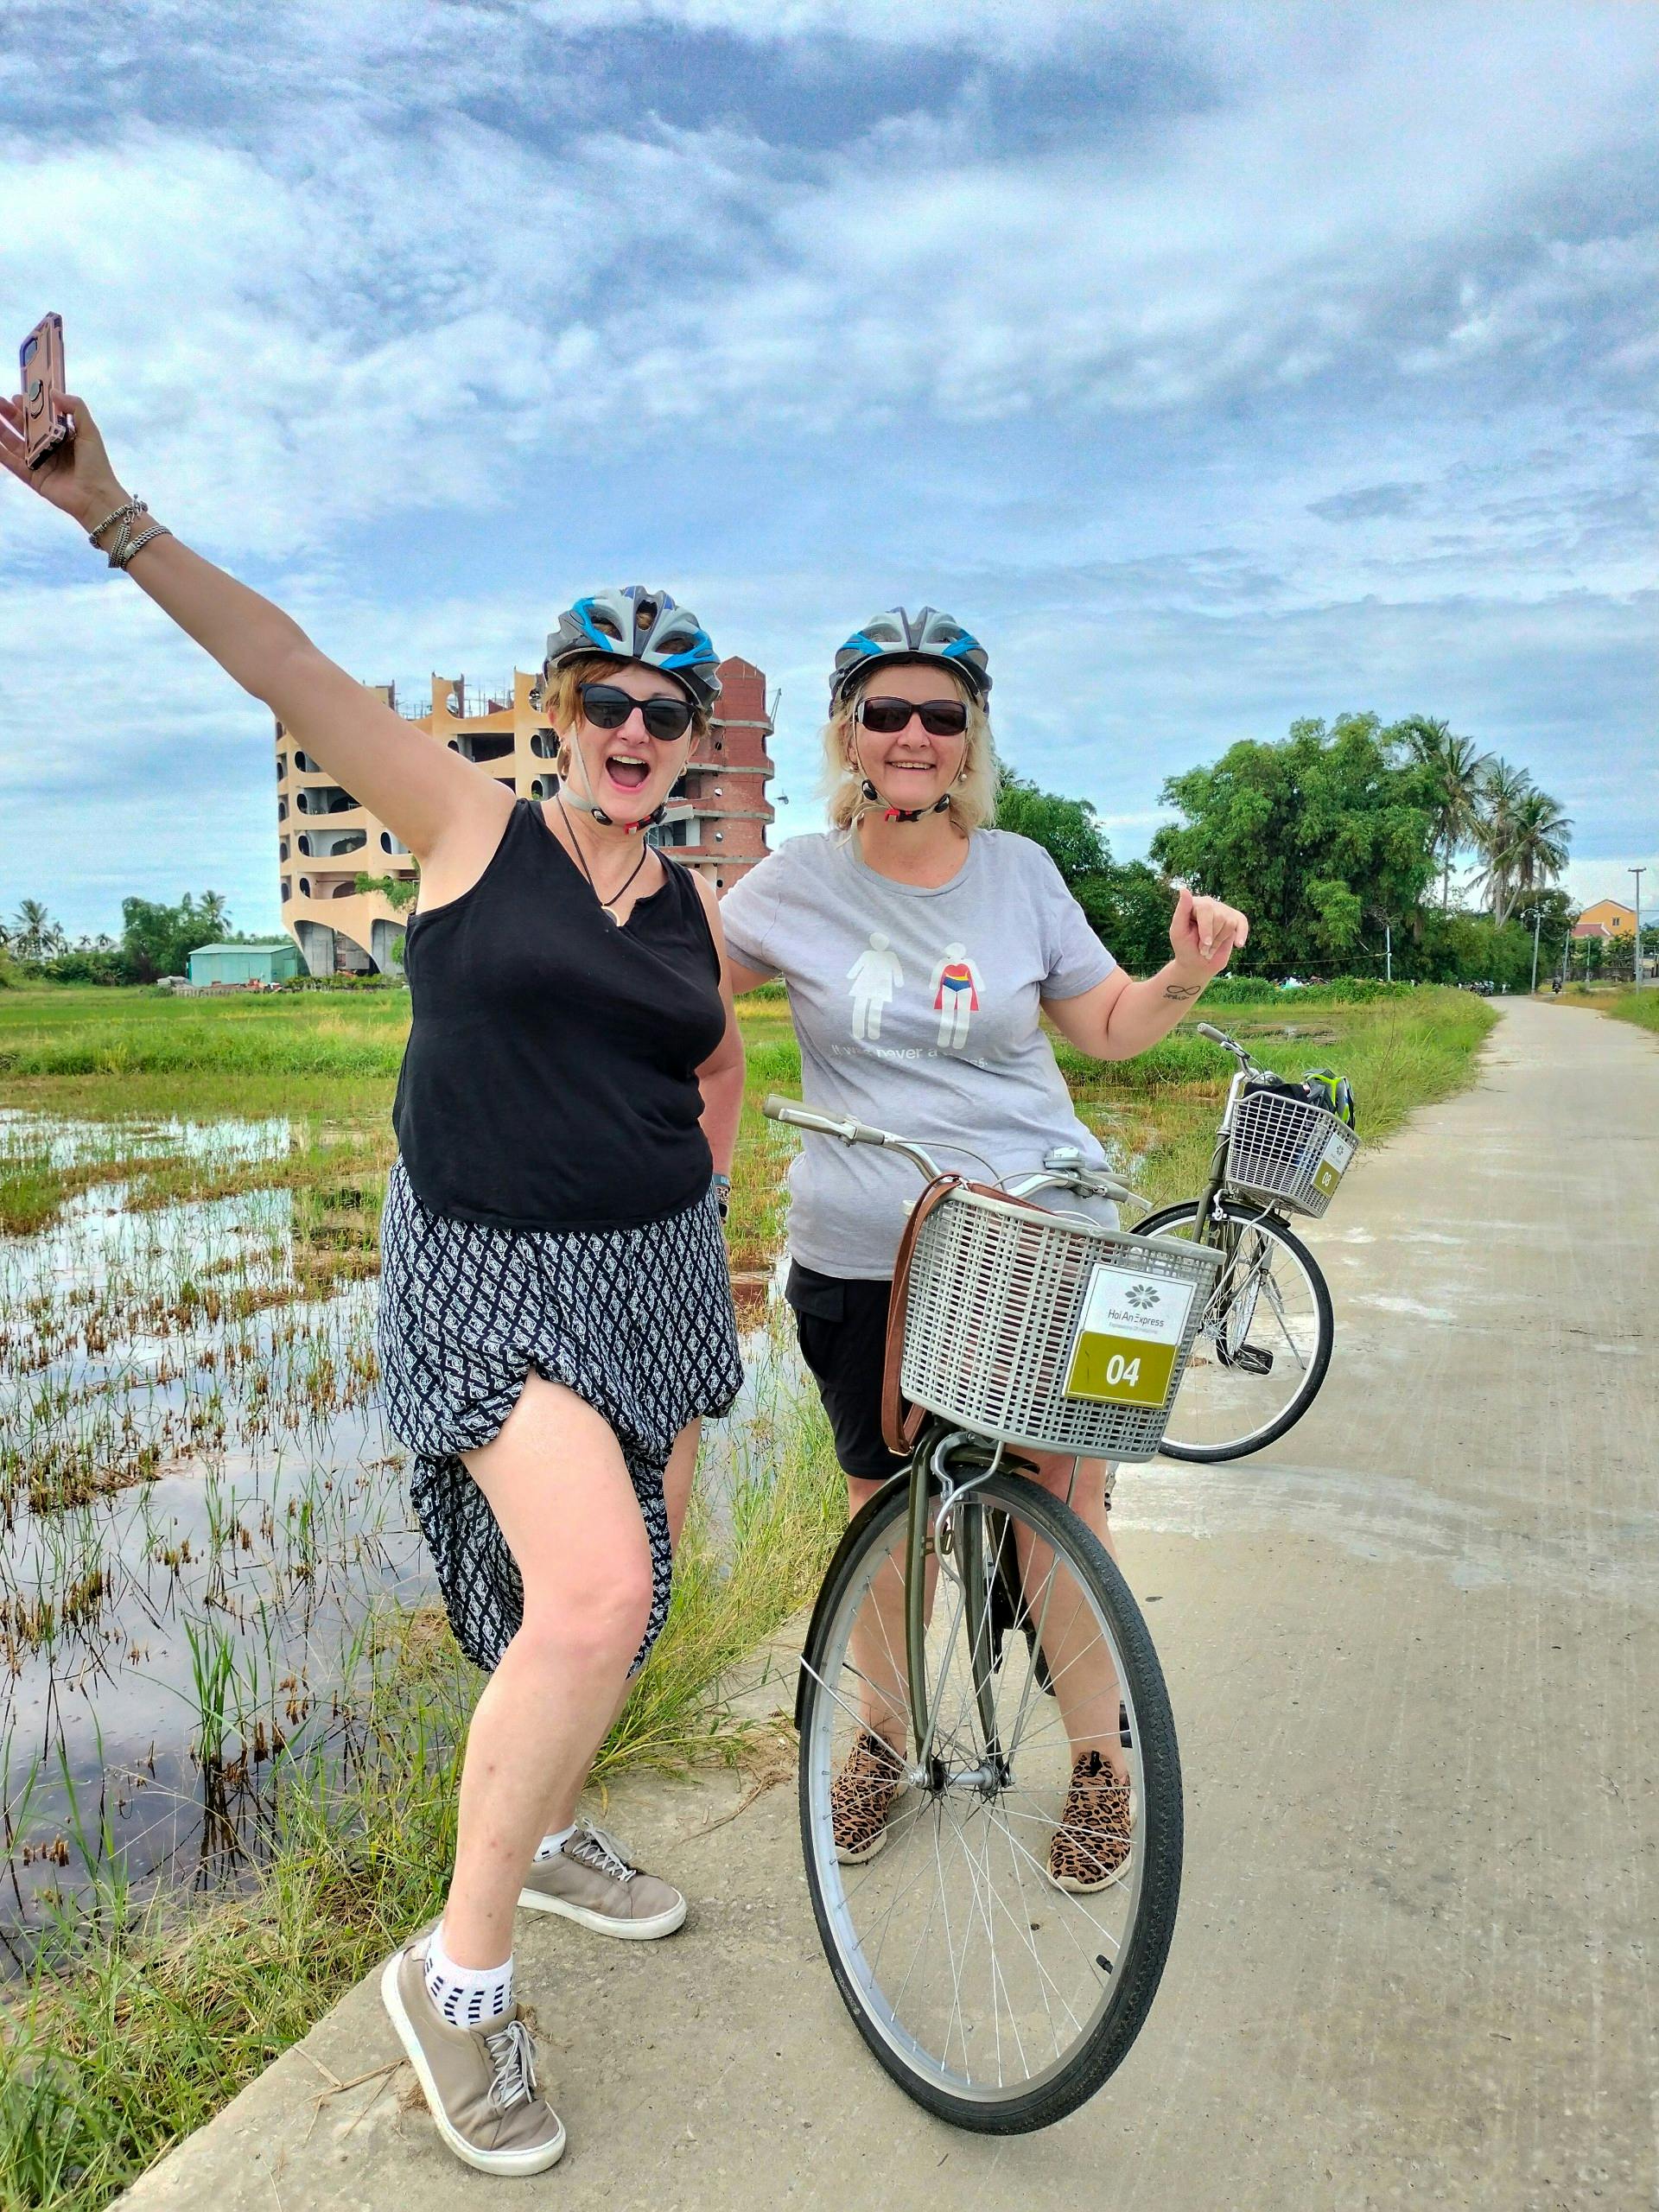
1413	1653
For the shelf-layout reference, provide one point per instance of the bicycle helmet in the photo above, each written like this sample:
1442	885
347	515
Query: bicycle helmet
897	635
632	623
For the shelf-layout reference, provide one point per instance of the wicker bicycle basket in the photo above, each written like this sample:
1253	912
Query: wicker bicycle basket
1287	1151
995	1337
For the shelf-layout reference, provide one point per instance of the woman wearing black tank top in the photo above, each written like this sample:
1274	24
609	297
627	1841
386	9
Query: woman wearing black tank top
556	1317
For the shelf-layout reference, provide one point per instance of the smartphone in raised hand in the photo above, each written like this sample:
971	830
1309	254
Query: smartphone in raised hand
40	363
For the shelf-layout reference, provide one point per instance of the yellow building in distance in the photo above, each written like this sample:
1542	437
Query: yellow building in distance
716	819
1606	917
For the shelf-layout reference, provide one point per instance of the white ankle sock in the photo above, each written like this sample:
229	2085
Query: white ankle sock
552	1846
467	1997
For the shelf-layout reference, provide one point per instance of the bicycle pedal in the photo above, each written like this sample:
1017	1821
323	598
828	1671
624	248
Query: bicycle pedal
1254	1360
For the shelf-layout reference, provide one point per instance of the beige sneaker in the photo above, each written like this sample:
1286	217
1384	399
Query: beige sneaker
593	1881
479	2082
861	1795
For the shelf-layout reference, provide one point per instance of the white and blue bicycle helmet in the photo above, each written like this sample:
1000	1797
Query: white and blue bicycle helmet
634	623
896	635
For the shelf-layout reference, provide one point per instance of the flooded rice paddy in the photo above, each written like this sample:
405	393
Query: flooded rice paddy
202	1518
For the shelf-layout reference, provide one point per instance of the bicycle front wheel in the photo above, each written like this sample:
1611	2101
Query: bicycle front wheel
1265	1341
995	1925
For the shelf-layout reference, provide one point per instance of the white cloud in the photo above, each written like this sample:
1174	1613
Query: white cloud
1311	383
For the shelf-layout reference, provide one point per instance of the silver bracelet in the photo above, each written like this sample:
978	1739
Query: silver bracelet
155	530
126	543
118	514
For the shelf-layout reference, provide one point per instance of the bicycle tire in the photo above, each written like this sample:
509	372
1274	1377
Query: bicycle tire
1159	1830
1262	1218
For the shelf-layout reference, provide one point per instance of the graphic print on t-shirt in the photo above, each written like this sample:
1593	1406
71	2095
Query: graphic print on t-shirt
874	976
956	987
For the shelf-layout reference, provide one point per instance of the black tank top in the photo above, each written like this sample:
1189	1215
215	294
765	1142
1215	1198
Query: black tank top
549	1080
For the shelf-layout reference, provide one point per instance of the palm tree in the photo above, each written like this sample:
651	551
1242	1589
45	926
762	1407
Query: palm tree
1456	767
1543	834
35	933
1503	788
211	909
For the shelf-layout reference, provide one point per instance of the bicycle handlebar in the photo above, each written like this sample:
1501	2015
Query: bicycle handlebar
1228	1044
777	1107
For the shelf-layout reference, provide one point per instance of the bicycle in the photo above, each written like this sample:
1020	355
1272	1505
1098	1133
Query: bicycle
971	1631
1265	1341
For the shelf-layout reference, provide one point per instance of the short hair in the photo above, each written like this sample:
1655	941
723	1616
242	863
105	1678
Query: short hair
561	701
973	796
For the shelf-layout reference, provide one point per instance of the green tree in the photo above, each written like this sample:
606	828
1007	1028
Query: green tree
1539	847
1456	767
35	935
1065	828
1320	838
1128	905
157	939
1503	788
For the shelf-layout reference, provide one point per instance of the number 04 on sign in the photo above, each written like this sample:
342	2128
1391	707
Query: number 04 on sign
1128	1334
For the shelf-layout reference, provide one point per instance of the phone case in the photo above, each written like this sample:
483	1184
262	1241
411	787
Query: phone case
39	361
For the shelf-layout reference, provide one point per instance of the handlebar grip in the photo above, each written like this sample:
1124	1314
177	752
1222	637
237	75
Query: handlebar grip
1209	1029
777	1107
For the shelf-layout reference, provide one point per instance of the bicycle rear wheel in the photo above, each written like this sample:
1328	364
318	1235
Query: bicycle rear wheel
995	1998
1264	1342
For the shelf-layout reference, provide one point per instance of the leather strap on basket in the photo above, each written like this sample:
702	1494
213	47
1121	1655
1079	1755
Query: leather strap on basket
901	1422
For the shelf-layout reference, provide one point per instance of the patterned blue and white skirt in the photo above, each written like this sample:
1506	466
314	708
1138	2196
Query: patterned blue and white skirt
638	1322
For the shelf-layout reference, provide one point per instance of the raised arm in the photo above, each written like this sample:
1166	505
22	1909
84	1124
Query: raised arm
423	792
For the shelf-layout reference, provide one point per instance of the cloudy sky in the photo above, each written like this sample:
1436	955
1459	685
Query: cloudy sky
1215	365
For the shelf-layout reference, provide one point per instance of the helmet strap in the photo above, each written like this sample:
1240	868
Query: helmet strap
589	805
900	813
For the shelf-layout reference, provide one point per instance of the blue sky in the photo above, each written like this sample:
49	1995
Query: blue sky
1215	364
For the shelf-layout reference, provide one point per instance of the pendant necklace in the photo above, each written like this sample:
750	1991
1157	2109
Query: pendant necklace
604	904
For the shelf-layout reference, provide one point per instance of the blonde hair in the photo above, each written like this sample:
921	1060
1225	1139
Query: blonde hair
973	796
562	701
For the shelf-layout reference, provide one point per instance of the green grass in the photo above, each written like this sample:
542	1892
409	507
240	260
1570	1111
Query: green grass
132	2034
1625	1003
135	2028
1162	1110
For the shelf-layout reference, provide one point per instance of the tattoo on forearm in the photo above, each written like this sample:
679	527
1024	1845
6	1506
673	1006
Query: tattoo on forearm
1182	990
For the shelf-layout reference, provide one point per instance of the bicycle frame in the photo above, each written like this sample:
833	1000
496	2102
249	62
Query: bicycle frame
944	1450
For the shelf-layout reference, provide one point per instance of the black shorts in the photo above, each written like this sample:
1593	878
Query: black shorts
842	1325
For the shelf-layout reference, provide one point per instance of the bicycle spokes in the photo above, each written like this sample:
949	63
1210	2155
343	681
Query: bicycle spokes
1261	1349
938	1857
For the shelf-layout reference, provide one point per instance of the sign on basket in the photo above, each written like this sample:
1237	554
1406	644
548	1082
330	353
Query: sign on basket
1128	1335
1340	1149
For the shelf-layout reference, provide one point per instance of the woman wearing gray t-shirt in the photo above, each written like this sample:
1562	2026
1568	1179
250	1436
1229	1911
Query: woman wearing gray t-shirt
918	945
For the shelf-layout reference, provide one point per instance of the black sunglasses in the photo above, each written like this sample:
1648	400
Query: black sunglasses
940	717
607	707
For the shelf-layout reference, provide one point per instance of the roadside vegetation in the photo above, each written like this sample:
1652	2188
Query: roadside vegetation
1627	1003
228	1157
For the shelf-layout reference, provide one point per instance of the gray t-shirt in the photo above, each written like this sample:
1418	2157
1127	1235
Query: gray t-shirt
917	1011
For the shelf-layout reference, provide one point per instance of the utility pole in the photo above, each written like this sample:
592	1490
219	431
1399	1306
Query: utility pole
1387	950
1537	921
1636	967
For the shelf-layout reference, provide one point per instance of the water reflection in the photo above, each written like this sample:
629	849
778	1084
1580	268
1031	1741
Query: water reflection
203	1514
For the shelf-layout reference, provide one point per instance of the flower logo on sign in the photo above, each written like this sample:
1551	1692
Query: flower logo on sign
1142	1296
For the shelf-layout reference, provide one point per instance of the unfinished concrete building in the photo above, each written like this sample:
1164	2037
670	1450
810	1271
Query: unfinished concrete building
717	822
